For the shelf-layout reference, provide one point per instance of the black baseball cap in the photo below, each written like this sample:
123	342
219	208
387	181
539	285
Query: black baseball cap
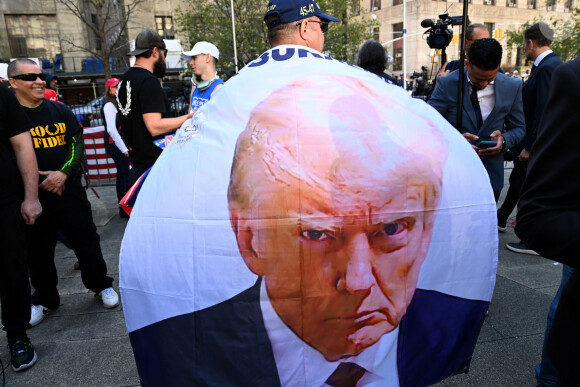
145	41
293	10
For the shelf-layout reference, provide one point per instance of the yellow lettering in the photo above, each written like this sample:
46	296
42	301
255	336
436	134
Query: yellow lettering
36	142
52	142
62	127
44	143
38	131
52	133
61	140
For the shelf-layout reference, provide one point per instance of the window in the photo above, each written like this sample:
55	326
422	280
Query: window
568	4
398	2
550	5
355	7
33	36
398	47
377	34
490	27
375	5
531	4
488	2
95	42
164	26
511	3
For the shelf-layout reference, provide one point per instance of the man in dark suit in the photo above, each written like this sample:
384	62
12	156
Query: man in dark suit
537	40
548	219
491	102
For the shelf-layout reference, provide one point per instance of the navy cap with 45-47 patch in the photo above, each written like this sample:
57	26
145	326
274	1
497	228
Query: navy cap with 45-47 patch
293	10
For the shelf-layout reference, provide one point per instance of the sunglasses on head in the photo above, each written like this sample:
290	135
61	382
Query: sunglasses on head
30	77
323	24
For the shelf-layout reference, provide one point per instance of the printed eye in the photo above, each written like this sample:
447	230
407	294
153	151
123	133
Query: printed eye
315	235
395	228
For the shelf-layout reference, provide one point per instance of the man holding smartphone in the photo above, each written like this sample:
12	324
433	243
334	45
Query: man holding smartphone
492	107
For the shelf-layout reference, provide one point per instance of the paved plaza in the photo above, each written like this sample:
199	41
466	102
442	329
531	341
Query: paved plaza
83	344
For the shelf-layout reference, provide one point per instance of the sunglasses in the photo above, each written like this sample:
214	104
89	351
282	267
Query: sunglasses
30	77
164	50
323	25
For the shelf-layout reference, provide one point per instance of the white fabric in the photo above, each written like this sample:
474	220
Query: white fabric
179	253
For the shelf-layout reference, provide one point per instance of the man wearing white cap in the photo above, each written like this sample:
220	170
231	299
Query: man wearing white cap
203	59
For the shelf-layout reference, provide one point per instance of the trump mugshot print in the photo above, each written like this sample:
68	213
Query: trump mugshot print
310	226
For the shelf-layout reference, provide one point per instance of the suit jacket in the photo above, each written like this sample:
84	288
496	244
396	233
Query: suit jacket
535	96
507	112
548	219
227	344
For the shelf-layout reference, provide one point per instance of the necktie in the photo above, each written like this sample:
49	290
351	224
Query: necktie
475	103
346	375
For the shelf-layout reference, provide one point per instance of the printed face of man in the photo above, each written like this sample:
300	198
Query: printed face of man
339	244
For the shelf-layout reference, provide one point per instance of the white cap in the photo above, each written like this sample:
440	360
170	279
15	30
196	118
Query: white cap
201	48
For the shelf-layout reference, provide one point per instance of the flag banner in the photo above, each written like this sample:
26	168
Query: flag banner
128	201
311	225
100	164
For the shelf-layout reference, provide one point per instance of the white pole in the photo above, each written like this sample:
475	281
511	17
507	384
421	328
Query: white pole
234	35
405	43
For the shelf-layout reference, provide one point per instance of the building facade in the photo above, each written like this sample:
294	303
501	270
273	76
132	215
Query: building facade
495	14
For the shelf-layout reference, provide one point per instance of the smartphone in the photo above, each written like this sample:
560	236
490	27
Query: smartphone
484	143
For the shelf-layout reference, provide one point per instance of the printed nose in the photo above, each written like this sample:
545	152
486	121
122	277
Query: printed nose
359	274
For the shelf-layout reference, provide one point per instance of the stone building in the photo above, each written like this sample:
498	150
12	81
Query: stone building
495	14
40	28
46	29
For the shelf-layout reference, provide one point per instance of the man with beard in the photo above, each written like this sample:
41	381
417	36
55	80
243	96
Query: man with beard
143	105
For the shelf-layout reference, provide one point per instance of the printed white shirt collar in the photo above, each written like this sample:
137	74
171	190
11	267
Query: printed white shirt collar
298	362
541	57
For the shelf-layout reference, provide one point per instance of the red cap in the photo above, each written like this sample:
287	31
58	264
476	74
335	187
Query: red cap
51	95
112	82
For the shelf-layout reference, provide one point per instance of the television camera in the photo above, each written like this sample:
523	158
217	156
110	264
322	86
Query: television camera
439	35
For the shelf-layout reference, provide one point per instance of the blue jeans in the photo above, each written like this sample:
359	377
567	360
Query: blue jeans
546	373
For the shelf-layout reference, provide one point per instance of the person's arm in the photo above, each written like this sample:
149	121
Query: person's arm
153	104
515	123
542	85
110	124
217	87
158	126
26	160
439	99
548	219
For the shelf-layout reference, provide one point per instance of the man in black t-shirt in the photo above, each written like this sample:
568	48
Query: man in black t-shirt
58	144
143	106
18	164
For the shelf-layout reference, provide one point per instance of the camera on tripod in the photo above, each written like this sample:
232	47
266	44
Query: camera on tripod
439	34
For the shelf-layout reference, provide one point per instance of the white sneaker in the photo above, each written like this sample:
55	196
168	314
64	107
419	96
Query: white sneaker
109	297
37	313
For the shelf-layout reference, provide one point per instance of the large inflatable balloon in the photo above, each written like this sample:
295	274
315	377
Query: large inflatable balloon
310	226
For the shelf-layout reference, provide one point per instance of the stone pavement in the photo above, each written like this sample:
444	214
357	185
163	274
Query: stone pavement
83	344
